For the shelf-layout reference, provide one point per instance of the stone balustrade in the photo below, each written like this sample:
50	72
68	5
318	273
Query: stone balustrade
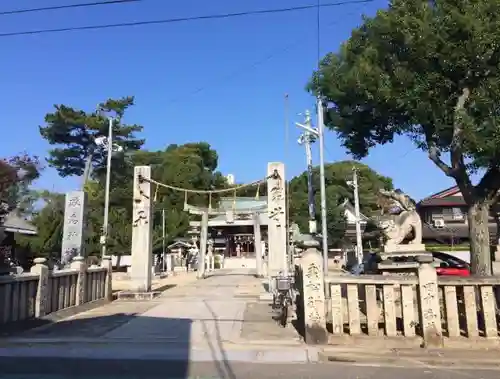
41	291
425	309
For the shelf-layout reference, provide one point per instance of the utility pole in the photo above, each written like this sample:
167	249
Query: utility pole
163	239
319	133
321	136
359	242
306	139
108	184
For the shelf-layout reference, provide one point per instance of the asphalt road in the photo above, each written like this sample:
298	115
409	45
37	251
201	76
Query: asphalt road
57	368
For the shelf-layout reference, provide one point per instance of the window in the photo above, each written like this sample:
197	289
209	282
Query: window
457	213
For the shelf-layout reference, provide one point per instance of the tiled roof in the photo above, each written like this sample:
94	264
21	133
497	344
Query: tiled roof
443	202
448	197
16	224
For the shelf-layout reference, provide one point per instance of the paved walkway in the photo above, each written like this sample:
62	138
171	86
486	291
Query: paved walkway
202	317
218	319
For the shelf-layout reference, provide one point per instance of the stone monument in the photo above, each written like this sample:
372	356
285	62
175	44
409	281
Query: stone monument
142	231
277	233
73	242
403	227
313	293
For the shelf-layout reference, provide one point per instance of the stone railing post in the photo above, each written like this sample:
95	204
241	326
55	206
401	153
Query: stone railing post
81	283
42	292
428	298
313	296
108	288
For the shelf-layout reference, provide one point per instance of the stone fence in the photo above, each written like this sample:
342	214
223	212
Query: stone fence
420	310
40	292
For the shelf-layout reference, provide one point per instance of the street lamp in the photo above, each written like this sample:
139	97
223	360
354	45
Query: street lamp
107	143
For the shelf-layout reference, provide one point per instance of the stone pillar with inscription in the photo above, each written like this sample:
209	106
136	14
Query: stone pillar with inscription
430	312
142	231
313	295
276	206
73	242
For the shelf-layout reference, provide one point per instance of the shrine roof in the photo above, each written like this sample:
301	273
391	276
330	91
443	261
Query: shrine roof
16	224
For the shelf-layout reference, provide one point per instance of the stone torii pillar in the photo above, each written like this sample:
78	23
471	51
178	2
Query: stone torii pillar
277	233
142	231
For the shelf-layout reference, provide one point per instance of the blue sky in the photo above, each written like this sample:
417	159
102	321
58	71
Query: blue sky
220	81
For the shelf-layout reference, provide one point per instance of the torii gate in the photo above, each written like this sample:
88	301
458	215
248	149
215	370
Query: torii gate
142	226
205	213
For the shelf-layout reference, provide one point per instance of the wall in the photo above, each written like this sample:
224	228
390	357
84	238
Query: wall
41	292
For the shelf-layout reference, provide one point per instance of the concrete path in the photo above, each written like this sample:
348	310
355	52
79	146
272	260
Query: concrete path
46	368
213	322
213	318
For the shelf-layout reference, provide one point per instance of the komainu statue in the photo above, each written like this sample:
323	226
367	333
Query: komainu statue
402	226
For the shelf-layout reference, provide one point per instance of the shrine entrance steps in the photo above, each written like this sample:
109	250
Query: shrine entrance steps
240	263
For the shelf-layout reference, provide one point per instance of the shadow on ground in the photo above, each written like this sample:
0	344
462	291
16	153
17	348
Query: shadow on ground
56	355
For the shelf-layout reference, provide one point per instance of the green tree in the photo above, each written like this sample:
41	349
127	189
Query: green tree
49	221
16	175
191	166
337	190
73	132
427	70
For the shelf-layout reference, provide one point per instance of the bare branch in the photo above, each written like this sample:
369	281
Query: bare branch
456	152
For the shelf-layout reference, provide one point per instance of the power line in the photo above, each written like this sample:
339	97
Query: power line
253	65
183	19
69	6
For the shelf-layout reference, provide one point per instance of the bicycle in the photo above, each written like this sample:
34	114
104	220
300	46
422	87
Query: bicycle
282	297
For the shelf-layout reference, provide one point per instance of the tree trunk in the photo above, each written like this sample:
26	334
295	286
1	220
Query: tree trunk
479	236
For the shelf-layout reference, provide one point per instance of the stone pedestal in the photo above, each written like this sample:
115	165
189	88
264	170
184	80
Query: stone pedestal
276	203
74	227
430	313
108	290
417	248
42	306
169	265
314	304
142	231
81	282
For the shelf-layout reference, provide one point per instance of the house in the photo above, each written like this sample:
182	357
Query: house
350	216
444	218
13	224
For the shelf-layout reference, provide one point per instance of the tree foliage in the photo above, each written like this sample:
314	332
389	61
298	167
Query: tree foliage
74	131
17	173
427	70
191	166
337	191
